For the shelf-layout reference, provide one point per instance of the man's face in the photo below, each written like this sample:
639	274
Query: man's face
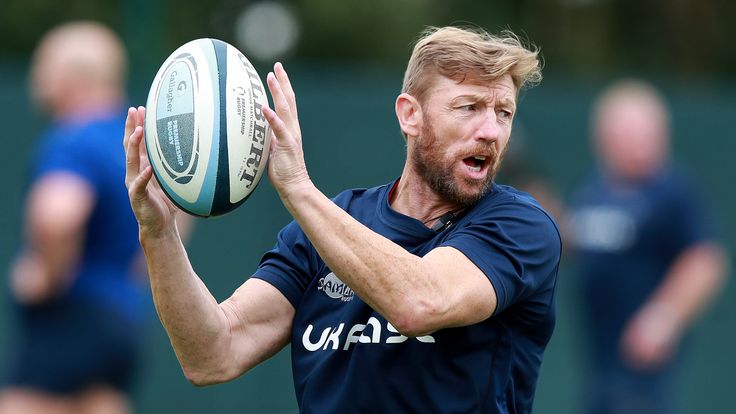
632	137
464	135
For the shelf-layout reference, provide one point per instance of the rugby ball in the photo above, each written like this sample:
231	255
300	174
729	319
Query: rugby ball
206	136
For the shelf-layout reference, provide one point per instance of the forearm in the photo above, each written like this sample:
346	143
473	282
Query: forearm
194	322
58	255
391	280
58	208
690	284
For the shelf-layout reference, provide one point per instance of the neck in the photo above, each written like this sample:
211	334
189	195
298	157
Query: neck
414	198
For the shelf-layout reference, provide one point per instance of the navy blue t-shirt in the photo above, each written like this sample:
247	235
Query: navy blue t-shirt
347	358
91	149
626	236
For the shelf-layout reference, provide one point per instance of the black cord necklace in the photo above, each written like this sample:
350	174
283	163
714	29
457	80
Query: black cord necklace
449	215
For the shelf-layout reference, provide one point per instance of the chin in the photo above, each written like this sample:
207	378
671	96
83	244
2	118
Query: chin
467	193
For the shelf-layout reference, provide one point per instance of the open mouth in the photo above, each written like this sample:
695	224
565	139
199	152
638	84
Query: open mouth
477	163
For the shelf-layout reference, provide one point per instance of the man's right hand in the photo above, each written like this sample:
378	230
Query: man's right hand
153	210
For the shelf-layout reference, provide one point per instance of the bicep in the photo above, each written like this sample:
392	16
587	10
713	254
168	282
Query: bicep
259	318
467	292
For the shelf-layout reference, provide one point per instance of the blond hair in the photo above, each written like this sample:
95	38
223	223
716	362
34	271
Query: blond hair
627	91
458	53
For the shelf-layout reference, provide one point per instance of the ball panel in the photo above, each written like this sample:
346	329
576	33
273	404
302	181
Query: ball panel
197	57
206	135
177	101
221	198
246	98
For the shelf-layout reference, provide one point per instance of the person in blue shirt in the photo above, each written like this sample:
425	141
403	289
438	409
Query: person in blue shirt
432	293
646	251
78	279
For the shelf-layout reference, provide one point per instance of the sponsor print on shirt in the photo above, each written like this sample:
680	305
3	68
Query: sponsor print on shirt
604	229
332	337
335	288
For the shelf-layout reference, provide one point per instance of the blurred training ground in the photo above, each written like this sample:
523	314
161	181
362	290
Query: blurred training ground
346	61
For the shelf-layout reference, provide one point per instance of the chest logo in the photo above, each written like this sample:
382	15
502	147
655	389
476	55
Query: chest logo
335	288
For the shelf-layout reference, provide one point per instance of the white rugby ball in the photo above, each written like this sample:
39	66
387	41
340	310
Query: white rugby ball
206	136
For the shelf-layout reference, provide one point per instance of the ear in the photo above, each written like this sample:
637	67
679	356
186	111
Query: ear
409	114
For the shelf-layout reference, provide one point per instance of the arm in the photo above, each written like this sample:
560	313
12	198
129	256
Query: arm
692	282
57	210
417	295
213	342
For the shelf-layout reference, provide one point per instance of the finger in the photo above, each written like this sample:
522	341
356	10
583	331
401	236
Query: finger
280	104
277	125
141	116
138	187
130	121
286	87
141	121
132	157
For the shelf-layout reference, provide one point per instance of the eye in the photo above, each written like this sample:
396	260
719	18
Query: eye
468	107
505	114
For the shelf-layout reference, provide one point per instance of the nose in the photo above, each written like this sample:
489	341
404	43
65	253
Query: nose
489	128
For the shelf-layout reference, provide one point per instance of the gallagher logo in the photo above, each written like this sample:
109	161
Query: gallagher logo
335	288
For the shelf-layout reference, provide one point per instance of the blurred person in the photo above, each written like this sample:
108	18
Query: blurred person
646	253
80	296
432	293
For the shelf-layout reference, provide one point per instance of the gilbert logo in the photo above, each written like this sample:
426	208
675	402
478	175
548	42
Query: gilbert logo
335	288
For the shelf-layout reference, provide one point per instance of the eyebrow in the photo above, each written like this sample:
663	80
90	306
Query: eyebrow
504	101
508	102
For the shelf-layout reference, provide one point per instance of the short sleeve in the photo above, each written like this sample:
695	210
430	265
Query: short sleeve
517	246
291	265
687	208
66	151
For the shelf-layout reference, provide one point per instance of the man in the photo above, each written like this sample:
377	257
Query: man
434	293
647	256
80	303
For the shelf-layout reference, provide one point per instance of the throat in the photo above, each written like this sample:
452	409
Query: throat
419	202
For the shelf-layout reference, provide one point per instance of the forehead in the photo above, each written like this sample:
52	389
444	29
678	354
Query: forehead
444	88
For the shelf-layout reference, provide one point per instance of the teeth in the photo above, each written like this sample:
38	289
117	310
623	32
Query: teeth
480	157
474	169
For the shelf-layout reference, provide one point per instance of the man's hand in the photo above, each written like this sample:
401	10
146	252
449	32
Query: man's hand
153	210
651	338
30	281
286	168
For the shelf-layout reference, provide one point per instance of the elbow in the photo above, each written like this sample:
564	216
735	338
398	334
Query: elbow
418	318
200	377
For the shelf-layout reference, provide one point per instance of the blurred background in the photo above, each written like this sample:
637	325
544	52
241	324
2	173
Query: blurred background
346	60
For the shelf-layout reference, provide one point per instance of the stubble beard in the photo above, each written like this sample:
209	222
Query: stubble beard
438	173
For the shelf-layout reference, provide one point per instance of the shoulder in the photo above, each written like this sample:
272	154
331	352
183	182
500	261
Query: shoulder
515	222
586	187
676	181
81	136
88	148
505	204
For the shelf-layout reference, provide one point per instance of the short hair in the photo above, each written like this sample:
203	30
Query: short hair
629	90
459	53
89	50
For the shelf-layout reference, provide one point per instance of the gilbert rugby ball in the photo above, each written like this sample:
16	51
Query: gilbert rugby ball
206	136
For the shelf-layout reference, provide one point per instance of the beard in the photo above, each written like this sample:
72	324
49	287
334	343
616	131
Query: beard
437	169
